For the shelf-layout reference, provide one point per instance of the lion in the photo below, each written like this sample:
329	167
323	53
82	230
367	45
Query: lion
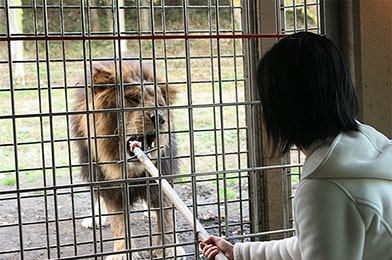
141	103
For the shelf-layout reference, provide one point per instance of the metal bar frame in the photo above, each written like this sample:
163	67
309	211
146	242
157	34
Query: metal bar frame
52	69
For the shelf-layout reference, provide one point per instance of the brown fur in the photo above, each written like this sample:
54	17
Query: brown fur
101	141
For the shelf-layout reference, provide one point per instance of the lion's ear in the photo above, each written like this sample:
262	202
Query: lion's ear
102	76
169	93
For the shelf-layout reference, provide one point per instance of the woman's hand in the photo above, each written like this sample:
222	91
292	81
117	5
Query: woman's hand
211	246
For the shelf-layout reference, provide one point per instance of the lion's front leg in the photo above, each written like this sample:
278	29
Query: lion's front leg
99	218
117	225
167	231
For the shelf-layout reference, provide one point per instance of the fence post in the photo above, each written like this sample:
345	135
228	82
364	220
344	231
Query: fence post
266	189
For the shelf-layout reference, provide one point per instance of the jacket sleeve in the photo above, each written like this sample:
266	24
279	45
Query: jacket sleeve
328	222
285	249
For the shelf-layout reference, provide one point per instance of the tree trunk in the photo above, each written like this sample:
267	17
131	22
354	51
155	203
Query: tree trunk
16	27
145	16
95	25
121	14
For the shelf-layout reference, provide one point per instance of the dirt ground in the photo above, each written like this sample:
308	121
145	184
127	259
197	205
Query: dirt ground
49	223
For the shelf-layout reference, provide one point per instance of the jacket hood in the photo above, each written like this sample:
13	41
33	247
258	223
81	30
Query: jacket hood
352	154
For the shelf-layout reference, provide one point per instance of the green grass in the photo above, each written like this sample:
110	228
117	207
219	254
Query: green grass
9	181
40	140
295	177
31	178
229	192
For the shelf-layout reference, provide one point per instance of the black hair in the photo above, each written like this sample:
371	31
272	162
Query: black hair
306	91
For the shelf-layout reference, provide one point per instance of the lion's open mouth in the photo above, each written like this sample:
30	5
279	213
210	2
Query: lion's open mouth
148	142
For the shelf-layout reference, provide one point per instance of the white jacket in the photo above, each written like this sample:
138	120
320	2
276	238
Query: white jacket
343	205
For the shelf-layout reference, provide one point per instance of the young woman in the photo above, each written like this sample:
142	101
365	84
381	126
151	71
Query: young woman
343	205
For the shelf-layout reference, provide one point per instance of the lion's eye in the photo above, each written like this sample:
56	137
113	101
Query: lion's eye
161	102
133	100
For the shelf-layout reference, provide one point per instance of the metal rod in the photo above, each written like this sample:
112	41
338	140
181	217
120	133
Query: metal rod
174	198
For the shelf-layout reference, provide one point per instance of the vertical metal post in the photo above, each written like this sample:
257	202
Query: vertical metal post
266	189
256	178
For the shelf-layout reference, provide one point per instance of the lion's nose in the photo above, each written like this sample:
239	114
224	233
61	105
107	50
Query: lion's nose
160	119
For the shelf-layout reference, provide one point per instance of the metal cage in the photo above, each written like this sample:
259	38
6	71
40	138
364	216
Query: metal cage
201	48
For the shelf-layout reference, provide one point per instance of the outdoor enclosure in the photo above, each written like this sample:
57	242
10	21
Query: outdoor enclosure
206	50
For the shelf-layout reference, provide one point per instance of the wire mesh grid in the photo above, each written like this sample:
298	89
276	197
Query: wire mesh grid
49	53
300	15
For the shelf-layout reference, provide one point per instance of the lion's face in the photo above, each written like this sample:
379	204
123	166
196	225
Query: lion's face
147	115
135	105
